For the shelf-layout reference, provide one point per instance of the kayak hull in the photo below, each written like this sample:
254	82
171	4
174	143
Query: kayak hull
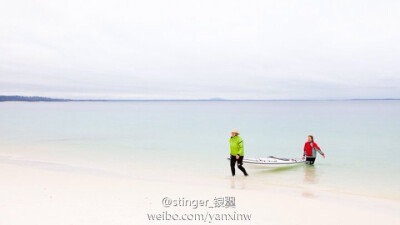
271	162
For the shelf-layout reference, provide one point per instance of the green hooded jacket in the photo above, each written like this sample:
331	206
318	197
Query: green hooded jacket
236	144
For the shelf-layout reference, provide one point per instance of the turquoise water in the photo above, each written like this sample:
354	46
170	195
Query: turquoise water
360	139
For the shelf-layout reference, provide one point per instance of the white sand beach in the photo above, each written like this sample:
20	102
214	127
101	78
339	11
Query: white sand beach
32	194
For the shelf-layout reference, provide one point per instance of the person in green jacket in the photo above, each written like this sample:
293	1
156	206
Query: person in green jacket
236	145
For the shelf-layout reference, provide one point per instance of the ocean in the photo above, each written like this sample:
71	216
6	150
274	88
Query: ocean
159	139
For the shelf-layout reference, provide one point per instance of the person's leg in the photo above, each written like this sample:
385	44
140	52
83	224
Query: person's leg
310	160
233	161
240	163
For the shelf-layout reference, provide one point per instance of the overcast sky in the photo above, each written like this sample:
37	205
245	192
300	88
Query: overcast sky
188	49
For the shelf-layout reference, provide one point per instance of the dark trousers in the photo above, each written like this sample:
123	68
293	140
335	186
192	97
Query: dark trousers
239	164
310	160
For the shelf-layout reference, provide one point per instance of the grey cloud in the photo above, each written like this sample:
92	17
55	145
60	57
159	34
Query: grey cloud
200	49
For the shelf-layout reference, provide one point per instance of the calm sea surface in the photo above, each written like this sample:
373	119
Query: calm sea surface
360	139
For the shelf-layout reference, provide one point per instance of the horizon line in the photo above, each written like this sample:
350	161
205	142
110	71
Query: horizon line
42	98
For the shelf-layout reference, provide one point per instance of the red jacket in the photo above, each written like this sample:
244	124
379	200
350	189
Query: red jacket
310	150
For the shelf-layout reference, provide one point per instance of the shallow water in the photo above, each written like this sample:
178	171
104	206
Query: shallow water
360	139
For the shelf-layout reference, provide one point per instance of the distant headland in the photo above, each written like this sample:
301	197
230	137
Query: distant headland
18	98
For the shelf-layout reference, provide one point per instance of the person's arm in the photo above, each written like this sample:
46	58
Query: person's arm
318	149
304	151
241	149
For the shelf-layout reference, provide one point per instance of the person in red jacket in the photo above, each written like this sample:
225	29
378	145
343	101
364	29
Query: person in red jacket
310	149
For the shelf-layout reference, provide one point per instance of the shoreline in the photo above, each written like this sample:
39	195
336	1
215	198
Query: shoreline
54	166
61	192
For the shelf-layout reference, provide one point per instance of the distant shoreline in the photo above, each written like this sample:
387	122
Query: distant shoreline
18	98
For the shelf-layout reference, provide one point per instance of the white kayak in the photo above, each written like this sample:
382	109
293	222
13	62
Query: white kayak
271	162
